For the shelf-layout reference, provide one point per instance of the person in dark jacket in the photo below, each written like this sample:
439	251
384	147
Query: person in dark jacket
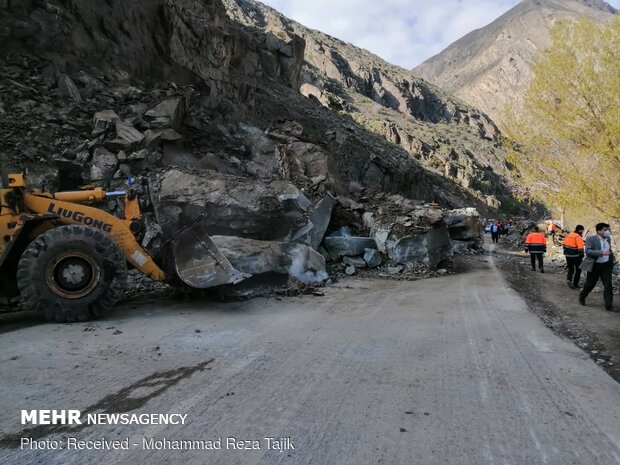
495	232
536	246
599	263
573	251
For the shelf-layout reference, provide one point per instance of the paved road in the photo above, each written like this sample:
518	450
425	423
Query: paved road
452	370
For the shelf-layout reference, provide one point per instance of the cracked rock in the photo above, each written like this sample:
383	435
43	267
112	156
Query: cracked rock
104	164
169	113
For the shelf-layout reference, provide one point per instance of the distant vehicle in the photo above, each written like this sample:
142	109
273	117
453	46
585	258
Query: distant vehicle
489	223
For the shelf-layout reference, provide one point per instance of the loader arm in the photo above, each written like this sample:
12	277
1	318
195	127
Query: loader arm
69	212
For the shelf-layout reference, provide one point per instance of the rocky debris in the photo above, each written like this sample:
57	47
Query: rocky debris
103	120
290	196
415	234
259	257
467	247
357	262
341	246
139	286
68	88
207	111
104	164
127	136
154	137
219	121
59	141
312	233
73	164
373	258
167	114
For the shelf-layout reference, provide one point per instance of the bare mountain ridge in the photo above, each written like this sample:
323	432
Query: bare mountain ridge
492	66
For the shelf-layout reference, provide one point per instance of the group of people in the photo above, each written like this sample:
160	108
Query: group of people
592	255
498	229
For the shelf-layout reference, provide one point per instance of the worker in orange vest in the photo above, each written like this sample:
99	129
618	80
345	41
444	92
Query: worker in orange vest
552	229
573	251
536	246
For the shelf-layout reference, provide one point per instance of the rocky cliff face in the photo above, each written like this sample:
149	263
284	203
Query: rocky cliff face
492	66
444	134
93	90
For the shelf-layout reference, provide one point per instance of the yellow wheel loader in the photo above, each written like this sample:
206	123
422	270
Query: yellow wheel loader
67	259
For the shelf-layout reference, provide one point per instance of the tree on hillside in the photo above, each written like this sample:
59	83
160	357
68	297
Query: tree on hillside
566	142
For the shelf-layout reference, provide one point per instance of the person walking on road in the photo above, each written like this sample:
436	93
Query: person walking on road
599	263
495	232
573	251
536	246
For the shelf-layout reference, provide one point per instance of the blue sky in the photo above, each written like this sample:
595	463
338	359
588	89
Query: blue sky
404	32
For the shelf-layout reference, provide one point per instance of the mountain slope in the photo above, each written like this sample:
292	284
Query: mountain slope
492	66
254	98
446	135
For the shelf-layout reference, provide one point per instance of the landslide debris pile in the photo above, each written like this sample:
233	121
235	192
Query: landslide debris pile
275	226
206	114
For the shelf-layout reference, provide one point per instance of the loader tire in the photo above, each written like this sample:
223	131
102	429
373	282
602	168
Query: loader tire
71	273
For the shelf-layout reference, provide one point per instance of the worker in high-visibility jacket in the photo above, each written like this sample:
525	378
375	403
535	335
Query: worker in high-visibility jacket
552	229
536	246
573	251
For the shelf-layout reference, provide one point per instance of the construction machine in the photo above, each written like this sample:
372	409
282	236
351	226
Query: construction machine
66	257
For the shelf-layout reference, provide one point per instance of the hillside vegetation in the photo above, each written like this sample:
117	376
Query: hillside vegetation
566	144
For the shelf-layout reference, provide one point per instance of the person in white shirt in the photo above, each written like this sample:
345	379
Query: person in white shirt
599	263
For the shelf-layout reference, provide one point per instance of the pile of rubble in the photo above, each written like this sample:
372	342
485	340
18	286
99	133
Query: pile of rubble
268	214
402	238
275	203
265	227
66	131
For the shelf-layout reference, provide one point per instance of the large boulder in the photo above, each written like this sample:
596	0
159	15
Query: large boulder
464	224
260	257
431	248
229	205
410	233
312	233
169	113
104	164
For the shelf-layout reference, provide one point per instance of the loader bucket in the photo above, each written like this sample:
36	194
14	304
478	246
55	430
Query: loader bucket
199	263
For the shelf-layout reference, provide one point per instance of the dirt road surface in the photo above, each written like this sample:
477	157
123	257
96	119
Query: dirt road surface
454	370
592	328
